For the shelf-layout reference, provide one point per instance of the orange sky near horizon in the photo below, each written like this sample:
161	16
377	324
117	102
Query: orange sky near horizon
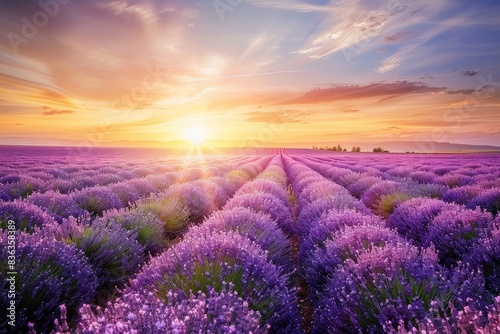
308	72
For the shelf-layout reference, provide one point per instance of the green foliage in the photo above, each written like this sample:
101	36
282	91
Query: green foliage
388	203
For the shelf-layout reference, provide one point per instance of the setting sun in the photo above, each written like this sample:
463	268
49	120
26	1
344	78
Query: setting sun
195	134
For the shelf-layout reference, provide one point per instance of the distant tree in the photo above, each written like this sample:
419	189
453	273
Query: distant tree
379	150
356	149
344	150
339	148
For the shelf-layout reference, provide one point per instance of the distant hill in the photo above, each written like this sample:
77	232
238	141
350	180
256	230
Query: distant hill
392	146
434	147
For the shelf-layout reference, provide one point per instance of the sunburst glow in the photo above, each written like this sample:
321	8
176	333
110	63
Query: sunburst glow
195	134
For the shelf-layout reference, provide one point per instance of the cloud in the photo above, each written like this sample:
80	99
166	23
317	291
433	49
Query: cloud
291	5
58	112
469	73
391	63
355	27
337	93
350	111
280	116
461	91
399	37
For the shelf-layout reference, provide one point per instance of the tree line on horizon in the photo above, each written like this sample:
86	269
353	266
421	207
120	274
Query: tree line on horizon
339	148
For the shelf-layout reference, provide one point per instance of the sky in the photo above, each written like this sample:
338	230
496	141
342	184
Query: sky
249	72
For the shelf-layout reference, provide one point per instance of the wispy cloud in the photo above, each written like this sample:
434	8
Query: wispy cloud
280	116
291	5
337	93
57	112
399	37
353	26
469	73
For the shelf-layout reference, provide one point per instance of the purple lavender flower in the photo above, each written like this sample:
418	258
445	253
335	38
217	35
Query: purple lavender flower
385	196
461	195
462	320
266	203
454	180
192	197
81	182
126	192
23	188
161	181
255	226
325	227
362	184
422	176
142	171
113	252
264	186
383	287
454	232
148	227
97	199
50	273
486	257
323	259
320	190
219	260
488	200
142	312
26	216
312	213
106	179
412	218
143	186
58	205
60	185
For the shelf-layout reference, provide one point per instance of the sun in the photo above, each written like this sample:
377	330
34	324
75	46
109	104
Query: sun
195	134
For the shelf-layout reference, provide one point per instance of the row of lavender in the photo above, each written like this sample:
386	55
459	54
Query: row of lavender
470	180
379	249
84	258
431	266
232	274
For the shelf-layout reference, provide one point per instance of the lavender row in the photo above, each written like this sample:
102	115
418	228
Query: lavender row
238	259
364	277
17	183
383	191
110	250
474	184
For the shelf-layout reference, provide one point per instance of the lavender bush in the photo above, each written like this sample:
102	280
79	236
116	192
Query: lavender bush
96	200
50	273
26	216
214	262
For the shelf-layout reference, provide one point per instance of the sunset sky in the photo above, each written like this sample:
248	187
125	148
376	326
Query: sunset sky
249	72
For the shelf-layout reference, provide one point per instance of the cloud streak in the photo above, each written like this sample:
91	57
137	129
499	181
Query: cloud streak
354	92
57	112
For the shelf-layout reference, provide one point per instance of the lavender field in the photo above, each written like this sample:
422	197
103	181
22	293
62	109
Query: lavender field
248	241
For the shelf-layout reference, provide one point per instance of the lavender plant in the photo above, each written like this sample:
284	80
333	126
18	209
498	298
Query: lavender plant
220	260
26	216
97	199
50	273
